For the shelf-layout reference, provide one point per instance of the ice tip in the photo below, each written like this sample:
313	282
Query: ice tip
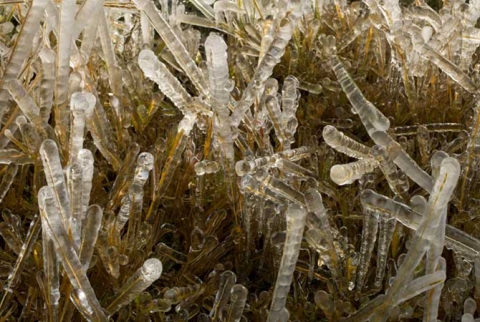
338	175
293	209
215	42
44	193
328	130
146	159
145	55
82	101
146	61
152	269
451	166
47	145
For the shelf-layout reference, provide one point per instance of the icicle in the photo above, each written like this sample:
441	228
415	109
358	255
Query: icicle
51	271
75	186
47	83
369	236
168	84
313	199
135	197
137	283
367	112
29	134
469	306
206	167
281	188
296	216
385	235
85	159
98	126
420	285
244	167
8	156
29	108
361	25
56	181
222	7
79	103
122	175
432	297
227	280
129	210
267	37
204	8
115	78
64	42
216	51
448	67
238	297
90	33
90	228
344	144
184	128
290	99
288	167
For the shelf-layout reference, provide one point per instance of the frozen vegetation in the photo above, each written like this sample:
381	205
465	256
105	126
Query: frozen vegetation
227	161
